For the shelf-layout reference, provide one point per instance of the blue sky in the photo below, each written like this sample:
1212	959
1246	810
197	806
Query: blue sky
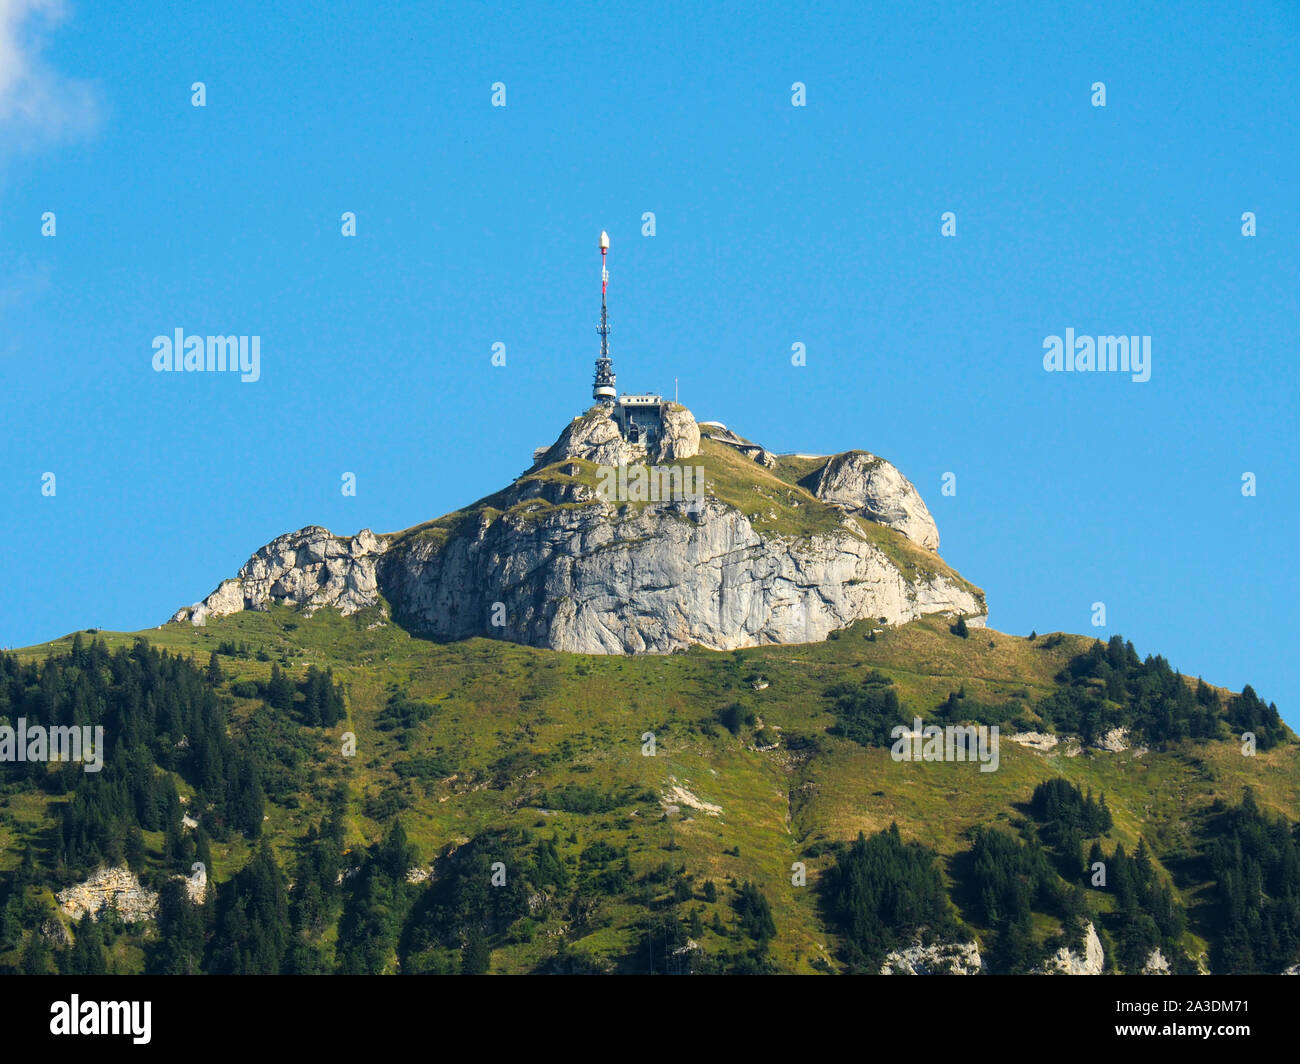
775	224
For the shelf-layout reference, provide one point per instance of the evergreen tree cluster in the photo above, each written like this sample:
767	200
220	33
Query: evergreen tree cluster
158	711
317	701
960	708
880	893
252	935
86	957
1146	916
402	713
868	711
462	914
1059	803
377	903
1255	859
182	932
598	872
1109	686
316	898
1067	817
754	914
1247	712
1009	881
736	716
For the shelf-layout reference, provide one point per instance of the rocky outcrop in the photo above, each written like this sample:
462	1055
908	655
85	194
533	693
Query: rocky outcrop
681	436
859	482
1067	962
595	437
1115	741
548	562
309	569
115	888
595	580
940	958
876	491
1156	964
677	796
1040	741
56	933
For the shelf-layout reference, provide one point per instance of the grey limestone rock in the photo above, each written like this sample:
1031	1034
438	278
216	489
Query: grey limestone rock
565	569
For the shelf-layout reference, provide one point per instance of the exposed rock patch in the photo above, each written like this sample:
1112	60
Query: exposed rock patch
1067	962
115	888
1115	740
678	795
1040	741
941	958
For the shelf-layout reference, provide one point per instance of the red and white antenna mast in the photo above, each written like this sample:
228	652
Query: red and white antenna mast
603	390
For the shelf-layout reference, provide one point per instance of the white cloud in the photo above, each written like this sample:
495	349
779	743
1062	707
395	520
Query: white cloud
38	104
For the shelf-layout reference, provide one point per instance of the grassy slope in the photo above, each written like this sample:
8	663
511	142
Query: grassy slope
515	720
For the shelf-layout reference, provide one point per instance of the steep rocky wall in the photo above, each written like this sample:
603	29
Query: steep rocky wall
574	572
657	580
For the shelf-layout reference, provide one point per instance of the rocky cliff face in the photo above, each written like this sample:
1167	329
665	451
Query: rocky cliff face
1067	962
308	569
592	581
551	562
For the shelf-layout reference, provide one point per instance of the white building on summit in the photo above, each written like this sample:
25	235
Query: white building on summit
640	417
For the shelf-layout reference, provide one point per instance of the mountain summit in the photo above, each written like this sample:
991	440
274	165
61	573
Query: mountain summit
639	530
